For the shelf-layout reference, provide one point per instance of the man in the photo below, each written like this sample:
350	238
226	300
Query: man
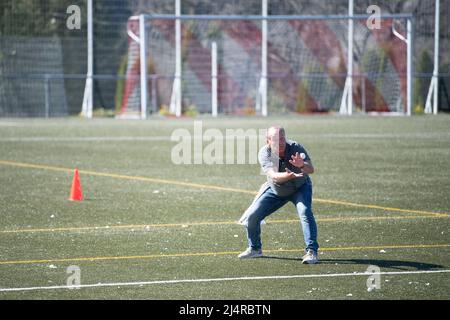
287	166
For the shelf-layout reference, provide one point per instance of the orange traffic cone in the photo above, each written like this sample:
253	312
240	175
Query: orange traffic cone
76	194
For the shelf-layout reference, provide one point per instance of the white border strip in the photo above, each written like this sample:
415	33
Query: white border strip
143	283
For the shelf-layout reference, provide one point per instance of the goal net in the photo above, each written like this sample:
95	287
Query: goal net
305	63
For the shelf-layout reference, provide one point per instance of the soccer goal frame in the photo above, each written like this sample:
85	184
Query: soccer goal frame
261	105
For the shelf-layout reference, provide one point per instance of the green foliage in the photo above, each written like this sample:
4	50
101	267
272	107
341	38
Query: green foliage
191	111
103	113
424	65
275	103
164	111
120	87
214	31
301	98
305	86
444	88
375	61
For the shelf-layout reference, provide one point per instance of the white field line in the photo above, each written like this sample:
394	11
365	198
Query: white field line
105	138
85	139
144	283
427	135
11	124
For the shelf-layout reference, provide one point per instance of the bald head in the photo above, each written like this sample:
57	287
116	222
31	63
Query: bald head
276	130
276	139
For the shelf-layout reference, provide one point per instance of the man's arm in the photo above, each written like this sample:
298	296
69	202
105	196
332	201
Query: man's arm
281	177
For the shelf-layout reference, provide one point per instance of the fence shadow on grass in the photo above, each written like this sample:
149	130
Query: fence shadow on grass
392	264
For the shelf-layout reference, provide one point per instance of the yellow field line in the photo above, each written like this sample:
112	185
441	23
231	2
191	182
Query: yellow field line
120	176
204	186
370	206
207	223
130	226
417	246
203	254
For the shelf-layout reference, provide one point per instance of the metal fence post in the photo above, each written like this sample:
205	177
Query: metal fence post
143	65
410	71
214	78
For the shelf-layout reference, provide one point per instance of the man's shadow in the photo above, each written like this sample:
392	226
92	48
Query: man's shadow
393	264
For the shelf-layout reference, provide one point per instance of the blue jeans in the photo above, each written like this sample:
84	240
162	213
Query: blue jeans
269	202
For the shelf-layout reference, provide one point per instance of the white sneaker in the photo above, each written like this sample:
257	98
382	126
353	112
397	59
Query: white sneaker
250	253
310	257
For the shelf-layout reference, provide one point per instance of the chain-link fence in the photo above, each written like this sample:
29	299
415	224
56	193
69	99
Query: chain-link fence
43	63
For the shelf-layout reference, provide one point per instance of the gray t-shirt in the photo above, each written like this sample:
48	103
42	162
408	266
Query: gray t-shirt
269	160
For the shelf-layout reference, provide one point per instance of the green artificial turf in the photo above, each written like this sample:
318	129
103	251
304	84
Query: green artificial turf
378	183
